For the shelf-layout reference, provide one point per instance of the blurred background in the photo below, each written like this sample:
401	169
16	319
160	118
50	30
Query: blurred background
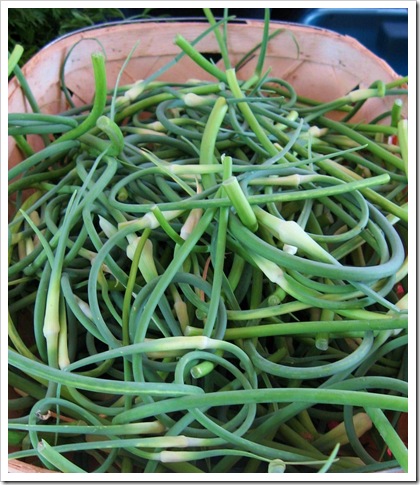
384	31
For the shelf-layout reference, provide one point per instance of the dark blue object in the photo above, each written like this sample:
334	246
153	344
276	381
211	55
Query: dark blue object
384	31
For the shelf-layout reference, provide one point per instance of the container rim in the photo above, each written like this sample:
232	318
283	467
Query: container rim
184	20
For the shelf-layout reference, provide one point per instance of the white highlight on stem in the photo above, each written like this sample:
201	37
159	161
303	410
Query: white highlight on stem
193	100
273	272
276	466
135	91
108	228
149	220
147	265
84	307
292	234
193	218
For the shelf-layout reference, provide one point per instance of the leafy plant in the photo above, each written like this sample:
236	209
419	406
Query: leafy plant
33	28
